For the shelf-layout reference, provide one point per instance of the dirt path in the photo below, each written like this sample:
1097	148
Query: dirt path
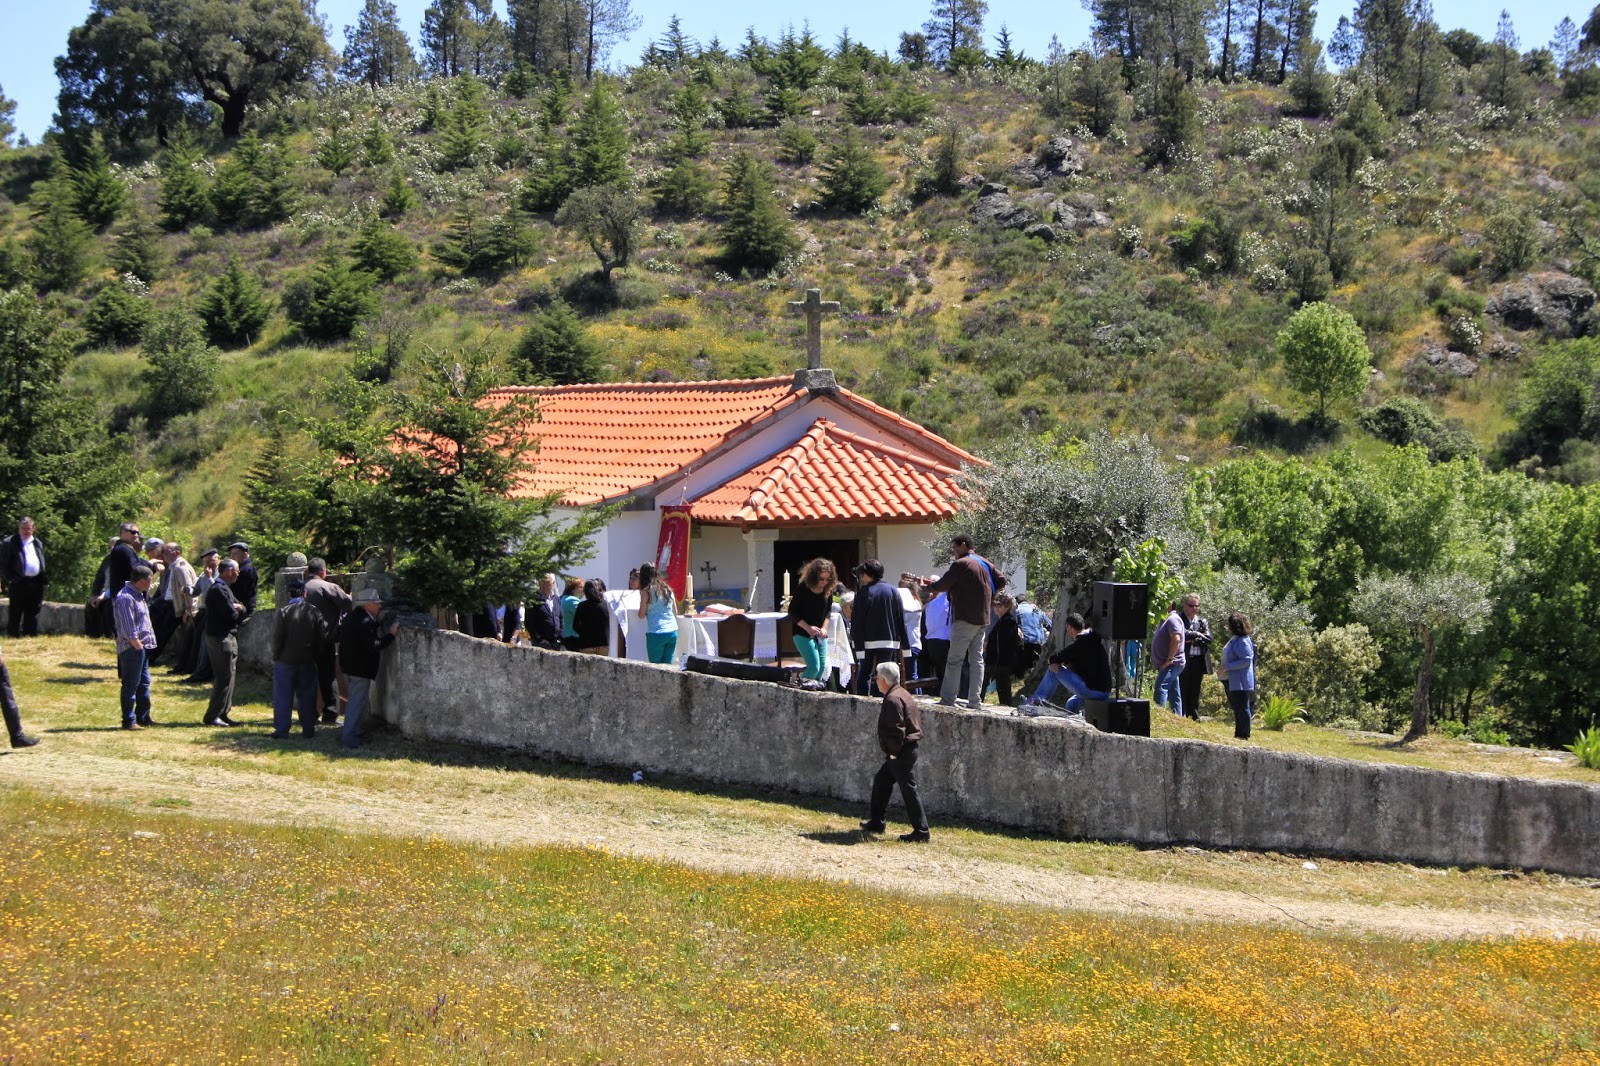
678	827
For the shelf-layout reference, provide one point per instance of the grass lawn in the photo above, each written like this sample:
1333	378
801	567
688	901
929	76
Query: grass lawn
144	936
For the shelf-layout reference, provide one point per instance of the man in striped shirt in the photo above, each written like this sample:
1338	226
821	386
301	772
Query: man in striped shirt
136	639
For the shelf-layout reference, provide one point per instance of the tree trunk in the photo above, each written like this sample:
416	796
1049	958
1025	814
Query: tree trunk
1419	701
233	115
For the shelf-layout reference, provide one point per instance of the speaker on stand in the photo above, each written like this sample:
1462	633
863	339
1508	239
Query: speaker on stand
1120	613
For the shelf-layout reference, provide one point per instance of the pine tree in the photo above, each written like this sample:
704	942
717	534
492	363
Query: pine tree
135	252
117	316
336	152
182	371
1311	87
1005	57
556	349
599	141
61	242
273	198
185	199
445	28
98	196
398	198
852	179
377	51
8	111
954	25
783	104
755	232
685	189
738	108
234	309
1177	120
1426	70
1502	82
1096	93
326	301
908	105
377	150
383	251
797	144
865	107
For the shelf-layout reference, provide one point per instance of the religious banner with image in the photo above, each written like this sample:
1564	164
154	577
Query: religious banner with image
672	548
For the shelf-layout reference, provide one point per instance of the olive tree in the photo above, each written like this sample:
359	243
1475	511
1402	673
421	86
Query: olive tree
1423	604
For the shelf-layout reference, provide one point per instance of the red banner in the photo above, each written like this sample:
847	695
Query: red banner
672	549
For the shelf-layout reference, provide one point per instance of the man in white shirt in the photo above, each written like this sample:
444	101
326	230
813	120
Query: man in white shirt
23	573
935	637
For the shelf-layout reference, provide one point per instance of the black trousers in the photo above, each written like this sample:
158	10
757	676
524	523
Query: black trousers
1002	684
327	678
863	683
8	705
164	620
1194	671
27	595
899	770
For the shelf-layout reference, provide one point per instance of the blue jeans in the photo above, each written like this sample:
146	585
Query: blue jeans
815	654
360	688
1168	690
1059	677
661	647
292	683
133	670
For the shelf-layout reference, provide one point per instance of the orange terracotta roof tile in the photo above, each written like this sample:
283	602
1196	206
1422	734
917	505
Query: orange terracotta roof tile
831	476
598	442
601	442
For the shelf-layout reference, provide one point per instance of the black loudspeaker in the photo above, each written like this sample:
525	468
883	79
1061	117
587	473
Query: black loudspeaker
1128	717
1121	610
742	671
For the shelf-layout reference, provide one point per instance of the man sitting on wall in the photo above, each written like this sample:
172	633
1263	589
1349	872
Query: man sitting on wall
1081	668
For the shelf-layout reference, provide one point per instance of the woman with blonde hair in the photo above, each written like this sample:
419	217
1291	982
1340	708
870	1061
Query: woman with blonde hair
810	608
658	607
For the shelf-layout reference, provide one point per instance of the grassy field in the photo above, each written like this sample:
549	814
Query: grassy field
147	937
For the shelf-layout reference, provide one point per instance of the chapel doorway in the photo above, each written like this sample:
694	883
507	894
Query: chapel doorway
791	556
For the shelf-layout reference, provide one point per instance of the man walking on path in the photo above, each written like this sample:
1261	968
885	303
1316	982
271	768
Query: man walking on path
130	613
899	733
22	571
361	644
296	645
223	614
971	584
10	711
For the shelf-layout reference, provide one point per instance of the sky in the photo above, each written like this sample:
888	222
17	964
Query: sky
32	34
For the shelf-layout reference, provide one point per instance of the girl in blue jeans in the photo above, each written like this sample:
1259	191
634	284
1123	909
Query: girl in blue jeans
658	606
810	608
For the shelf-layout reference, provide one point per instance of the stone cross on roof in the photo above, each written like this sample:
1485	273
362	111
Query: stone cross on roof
813	307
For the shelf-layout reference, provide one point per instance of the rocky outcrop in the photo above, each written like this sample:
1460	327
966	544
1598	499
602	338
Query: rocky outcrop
1058	158
1551	302
1073	214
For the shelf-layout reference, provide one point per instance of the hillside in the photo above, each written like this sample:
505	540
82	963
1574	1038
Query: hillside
1148	305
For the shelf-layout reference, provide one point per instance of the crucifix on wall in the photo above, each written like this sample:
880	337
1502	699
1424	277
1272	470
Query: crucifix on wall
813	307
708	569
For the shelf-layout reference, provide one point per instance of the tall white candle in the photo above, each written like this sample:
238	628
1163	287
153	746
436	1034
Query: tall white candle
690	596
786	584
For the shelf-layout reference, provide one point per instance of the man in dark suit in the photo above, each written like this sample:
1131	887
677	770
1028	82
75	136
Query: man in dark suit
22	572
244	589
119	564
544	616
223	613
332	602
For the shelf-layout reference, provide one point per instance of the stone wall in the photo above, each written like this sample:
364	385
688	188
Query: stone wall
1038	774
1030	773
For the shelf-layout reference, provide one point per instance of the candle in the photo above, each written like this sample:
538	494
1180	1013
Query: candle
690	596
786	584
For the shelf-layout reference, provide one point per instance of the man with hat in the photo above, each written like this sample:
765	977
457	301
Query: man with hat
244	589
361	644
296	644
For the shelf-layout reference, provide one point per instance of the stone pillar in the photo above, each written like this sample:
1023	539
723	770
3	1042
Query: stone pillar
759	558
280	582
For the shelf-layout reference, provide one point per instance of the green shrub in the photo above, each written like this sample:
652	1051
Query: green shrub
234	309
383	251
182	372
1325	672
1277	711
117	316
797	145
327	301
1587	748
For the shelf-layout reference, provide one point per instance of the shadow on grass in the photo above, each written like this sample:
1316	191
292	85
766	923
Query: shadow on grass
109	668
74	680
843	837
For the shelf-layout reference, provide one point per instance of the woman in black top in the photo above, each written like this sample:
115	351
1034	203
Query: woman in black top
592	621
809	610
1001	647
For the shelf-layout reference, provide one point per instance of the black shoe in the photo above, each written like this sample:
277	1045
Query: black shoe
280	736
225	720
873	827
328	718
210	721
916	836
23	740
147	721
308	733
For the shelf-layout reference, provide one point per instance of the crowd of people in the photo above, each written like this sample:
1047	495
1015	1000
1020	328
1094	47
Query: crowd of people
966	630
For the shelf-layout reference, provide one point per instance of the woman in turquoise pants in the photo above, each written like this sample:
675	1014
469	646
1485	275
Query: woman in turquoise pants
810	608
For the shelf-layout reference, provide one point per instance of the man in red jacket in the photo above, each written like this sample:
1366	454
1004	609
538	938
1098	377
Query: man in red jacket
899	734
